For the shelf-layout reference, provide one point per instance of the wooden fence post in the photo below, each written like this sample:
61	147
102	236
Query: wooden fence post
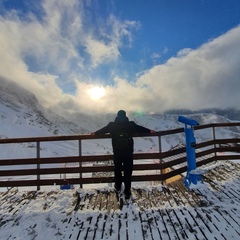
214	139
160	151
38	165
80	162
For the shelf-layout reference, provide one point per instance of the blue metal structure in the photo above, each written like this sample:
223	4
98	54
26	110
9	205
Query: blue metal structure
192	174
66	187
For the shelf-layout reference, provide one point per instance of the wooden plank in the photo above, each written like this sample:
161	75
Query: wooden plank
88	203
97	201
134	224
100	226
161	225
168	225
213	223
177	195
114	226
110	204
180	226
103	202
226	226
164	199
146	226
82	202
189	197
156	200
123	226
206	228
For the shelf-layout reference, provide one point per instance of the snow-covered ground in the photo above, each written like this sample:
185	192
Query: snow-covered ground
210	212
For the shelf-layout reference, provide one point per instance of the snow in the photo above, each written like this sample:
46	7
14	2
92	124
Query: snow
199	185
198	171
38	219
50	214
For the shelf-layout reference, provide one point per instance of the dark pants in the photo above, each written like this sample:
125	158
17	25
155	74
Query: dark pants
123	161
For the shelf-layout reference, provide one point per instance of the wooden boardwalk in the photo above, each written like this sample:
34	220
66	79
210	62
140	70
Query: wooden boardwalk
157	212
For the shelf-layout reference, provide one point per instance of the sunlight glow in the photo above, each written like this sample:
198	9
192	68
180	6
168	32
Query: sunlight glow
96	92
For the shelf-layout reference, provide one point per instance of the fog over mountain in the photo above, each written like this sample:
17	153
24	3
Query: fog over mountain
21	111
22	115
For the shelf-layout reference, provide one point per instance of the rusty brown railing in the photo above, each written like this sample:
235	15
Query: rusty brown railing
85	169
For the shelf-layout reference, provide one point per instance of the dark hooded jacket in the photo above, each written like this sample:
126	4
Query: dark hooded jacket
121	121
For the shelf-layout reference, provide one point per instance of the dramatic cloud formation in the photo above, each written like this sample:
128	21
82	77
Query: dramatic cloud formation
201	78
58	54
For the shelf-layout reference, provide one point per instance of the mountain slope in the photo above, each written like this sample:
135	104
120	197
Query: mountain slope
21	115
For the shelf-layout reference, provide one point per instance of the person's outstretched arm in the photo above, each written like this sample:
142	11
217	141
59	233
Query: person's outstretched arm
140	129
104	130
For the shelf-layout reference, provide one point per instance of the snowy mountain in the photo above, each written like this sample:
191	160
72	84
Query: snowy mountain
22	115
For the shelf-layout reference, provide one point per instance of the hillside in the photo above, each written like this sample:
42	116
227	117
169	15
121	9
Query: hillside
22	115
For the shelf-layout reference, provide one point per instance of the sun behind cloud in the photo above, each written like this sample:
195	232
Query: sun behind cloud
96	92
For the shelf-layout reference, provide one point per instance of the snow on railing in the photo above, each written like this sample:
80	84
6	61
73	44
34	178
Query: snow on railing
83	169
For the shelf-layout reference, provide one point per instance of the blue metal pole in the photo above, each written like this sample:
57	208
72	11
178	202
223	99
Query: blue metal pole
190	149
191	157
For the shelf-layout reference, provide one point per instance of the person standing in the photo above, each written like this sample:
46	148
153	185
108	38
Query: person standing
121	131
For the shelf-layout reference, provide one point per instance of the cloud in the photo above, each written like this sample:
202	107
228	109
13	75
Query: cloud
45	54
112	35
206	77
155	56
101	52
201	78
47	51
32	48
184	52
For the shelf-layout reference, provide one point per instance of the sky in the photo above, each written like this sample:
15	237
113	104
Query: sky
101	56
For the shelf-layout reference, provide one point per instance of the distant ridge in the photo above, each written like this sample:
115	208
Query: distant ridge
230	113
22	115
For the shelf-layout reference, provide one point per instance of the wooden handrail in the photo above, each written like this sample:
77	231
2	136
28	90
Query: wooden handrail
98	165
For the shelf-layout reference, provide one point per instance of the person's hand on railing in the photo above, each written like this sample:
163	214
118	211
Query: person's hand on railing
92	133
152	131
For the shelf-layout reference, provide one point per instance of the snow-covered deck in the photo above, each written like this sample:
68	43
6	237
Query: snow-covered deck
170	212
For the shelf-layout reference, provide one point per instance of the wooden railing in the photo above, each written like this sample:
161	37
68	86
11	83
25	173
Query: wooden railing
86	169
